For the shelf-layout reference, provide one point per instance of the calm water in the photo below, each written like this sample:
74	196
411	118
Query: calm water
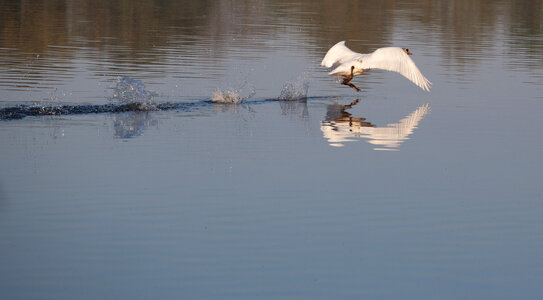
270	199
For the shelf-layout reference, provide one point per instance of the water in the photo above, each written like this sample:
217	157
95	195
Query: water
121	178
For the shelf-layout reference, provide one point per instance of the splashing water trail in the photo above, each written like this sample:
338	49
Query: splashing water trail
295	90
130	95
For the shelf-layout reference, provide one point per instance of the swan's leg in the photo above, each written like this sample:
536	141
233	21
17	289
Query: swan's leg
351	85
347	79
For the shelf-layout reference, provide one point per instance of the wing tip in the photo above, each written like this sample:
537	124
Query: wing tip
327	61
426	86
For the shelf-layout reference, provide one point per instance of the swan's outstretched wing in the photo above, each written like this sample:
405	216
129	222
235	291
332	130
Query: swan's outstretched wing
395	59
390	59
338	54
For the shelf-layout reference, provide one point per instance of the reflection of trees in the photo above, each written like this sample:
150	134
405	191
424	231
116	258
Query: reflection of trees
34	25
31	26
368	22
525	34
132	29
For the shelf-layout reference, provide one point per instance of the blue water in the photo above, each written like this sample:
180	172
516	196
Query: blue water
304	190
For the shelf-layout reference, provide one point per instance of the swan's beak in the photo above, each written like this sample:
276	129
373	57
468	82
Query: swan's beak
409	53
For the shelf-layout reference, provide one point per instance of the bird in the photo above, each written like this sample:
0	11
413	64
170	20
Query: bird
348	64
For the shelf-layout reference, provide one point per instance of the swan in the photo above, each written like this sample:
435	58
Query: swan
348	64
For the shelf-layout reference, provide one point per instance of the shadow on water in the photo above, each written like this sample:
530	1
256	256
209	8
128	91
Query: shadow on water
340	126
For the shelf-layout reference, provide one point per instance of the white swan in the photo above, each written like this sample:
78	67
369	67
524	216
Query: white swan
348	64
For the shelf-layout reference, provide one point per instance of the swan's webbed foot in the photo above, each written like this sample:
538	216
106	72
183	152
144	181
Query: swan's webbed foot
347	79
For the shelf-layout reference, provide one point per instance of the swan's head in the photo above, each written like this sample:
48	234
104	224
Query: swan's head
407	51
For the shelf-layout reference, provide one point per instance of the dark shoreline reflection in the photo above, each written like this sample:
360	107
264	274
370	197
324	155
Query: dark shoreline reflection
340	126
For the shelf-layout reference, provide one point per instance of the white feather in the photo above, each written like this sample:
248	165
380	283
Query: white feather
390	59
337	55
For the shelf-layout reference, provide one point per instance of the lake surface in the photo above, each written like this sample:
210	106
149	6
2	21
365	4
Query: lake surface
306	189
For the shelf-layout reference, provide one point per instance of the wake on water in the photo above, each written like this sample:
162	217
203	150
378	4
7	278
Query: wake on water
131	95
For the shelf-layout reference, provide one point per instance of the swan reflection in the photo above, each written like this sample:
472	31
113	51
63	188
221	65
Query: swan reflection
340	126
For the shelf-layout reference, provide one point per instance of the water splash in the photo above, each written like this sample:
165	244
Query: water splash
226	97
295	90
233	96
132	91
